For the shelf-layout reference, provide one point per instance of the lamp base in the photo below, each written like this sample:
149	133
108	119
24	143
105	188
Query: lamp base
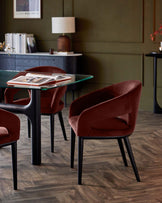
63	43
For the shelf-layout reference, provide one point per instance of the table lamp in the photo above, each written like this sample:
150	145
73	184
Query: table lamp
63	25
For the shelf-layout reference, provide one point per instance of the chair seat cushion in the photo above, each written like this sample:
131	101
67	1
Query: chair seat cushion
110	127
3	132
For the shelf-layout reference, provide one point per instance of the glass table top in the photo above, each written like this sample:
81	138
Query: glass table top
6	75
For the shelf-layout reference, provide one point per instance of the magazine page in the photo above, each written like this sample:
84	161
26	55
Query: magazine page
38	79
58	77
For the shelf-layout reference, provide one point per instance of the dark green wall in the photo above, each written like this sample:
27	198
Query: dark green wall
113	35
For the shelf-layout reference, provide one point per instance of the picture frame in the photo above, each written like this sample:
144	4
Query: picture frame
25	9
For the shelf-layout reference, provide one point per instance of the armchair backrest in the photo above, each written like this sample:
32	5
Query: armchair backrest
54	94
50	69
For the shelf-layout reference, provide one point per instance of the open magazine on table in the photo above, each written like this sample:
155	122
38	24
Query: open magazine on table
38	79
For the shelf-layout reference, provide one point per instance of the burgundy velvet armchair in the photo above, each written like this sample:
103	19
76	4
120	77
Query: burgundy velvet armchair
108	113
51	102
9	134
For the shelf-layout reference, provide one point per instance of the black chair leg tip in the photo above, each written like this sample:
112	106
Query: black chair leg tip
79	181
72	165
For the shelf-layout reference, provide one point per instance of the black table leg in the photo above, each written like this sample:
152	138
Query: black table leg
157	108
35	117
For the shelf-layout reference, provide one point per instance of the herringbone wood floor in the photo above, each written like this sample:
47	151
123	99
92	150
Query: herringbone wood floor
105	179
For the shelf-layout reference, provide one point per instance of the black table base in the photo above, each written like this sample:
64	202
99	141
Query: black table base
32	111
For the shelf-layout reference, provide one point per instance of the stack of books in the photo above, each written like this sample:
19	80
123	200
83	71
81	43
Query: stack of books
20	43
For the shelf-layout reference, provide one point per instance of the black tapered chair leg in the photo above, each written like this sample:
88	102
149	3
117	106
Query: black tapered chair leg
80	159
122	151
14	164
52	131
72	147
62	125
130	153
29	129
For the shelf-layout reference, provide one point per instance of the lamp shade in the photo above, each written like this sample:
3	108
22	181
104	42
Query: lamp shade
63	24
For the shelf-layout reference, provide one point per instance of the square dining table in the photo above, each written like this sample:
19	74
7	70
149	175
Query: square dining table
32	110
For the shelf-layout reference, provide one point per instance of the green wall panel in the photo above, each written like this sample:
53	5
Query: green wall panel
107	20
115	36
158	18
112	68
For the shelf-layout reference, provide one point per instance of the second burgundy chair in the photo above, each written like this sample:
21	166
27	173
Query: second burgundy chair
108	113
51	102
